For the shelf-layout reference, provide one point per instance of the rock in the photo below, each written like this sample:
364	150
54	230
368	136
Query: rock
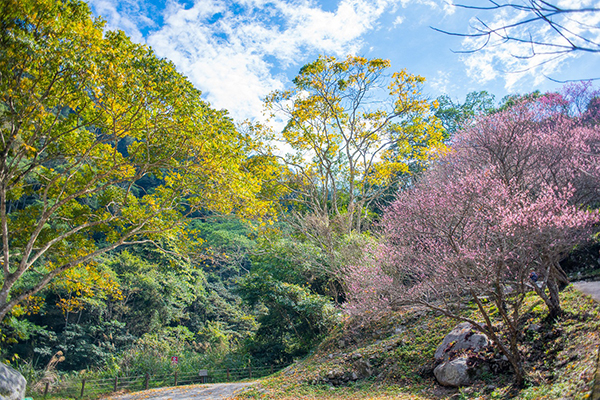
363	368
12	383
462	337
454	369
453	373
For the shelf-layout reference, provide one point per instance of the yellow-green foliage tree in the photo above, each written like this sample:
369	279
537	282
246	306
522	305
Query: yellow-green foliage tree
84	115
353	131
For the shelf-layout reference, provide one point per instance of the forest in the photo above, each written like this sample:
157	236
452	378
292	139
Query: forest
139	223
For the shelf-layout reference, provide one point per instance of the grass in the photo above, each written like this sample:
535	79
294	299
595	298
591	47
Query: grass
392	358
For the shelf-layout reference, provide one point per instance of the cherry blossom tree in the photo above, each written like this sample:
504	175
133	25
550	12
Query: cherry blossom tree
534	146
511	198
370	289
470	236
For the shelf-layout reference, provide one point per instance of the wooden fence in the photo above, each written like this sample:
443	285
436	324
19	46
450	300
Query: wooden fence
91	388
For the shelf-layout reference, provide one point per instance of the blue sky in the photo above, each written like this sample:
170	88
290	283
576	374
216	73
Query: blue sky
237	51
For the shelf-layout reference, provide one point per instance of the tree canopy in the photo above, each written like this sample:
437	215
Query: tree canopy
85	115
353	132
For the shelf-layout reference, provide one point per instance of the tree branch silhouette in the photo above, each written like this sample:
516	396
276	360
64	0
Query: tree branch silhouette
548	30
567	38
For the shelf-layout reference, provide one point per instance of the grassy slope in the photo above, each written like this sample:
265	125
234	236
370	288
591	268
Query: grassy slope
392	359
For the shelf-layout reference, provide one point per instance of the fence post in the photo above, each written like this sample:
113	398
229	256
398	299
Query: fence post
147	381
228	378
250	370
271	369
116	383
46	388
82	387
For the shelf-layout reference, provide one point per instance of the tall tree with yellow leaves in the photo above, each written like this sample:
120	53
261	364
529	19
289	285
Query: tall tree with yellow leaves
84	115
352	132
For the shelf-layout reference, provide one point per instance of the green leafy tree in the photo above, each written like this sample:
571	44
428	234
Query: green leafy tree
154	294
453	115
292	321
85	115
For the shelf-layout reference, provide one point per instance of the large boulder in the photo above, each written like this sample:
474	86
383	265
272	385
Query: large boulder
12	383
453	373
455	353
461	339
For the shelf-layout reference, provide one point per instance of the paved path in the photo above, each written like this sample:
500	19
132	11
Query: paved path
217	391
589	288
592	289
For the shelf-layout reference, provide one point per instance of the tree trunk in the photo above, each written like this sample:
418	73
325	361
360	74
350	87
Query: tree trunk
519	372
512	352
555	309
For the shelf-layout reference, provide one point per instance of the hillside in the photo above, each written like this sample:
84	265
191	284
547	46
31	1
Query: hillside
392	357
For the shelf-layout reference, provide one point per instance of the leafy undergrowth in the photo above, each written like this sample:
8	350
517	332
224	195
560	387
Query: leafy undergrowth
392	358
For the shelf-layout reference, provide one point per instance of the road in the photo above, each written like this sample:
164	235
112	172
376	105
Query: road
589	288
217	391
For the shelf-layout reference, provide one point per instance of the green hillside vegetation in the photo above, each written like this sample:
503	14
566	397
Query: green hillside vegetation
391	357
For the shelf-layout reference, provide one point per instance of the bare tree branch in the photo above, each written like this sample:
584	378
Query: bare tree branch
548	29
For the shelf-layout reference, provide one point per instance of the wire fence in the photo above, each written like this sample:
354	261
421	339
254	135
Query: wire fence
91	388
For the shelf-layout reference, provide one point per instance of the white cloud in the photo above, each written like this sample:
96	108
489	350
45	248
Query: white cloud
441	82
128	22
236	51
448	8
399	19
444	5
